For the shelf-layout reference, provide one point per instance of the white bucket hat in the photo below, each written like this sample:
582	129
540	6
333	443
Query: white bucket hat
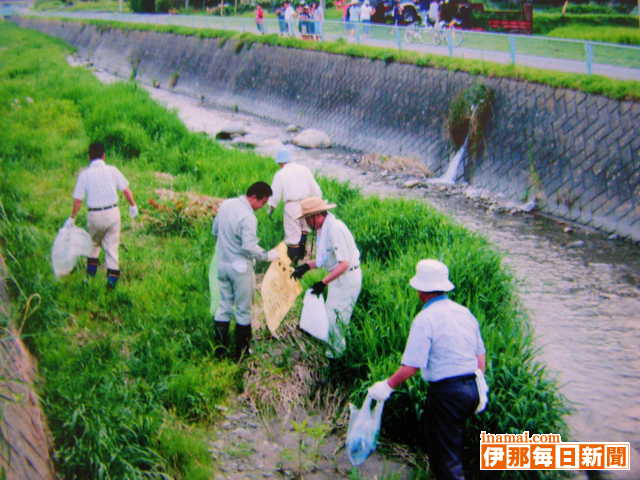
283	156
431	276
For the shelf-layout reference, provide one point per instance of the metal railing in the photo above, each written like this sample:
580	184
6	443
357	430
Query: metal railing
577	56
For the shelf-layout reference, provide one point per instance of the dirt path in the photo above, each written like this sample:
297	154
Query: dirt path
248	446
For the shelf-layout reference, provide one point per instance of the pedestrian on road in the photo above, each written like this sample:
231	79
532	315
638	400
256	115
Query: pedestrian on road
446	346
292	184
289	18
235	228
99	184
338	254
260	18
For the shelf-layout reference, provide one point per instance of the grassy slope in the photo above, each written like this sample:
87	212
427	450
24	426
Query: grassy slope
128	373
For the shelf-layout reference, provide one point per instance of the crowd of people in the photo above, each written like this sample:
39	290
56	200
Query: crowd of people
444	343
304	20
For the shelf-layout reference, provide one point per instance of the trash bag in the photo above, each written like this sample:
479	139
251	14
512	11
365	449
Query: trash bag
362	434
483	391
313	319
70	243
214	288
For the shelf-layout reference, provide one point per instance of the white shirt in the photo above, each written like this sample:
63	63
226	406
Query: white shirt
293	183
288	13
444	341
336	244
434	11
365	12
99	184
236	227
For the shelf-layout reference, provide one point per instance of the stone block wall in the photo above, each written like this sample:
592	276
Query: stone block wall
24	439
579	154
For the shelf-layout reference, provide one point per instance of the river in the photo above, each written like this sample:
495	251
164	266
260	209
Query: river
580	288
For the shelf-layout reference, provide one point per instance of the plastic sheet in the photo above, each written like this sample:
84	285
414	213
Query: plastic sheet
313	319
71	243
214	288
362	435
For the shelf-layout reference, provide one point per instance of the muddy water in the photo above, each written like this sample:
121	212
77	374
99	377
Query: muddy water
582	290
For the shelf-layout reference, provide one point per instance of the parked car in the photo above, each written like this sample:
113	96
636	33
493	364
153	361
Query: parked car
384	11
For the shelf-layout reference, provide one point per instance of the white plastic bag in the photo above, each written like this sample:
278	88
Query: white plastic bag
70	243
483	391
313	319
364	426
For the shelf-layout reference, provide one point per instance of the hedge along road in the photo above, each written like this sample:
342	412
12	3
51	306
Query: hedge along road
623	61
582	291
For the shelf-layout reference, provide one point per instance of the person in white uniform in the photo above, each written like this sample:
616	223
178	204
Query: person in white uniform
99	184
338	254
445	344
235	228
292	184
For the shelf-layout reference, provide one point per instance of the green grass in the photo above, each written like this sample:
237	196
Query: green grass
83	6
624	35
594	84
130	383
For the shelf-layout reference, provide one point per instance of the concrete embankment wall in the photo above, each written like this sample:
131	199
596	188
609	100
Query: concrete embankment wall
578	153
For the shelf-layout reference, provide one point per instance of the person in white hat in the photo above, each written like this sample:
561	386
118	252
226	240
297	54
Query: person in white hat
291	184
235	229
446	346
338	254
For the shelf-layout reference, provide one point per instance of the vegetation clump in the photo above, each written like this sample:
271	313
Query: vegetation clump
469	113
131	381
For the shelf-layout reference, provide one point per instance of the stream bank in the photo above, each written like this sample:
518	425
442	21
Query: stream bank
581	288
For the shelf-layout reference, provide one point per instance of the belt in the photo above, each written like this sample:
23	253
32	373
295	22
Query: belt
103	208
458	378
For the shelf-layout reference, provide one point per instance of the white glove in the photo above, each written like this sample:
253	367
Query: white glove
133	211
69	222
273	255
380	391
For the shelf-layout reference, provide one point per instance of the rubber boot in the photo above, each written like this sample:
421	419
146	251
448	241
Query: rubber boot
243	339
293	252
92	266
221	337
112	278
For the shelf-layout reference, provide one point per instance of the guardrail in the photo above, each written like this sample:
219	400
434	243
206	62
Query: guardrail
578	56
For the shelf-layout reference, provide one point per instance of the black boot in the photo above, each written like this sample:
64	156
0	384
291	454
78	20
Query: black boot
243	339
221	337
92	266
112	278
293	252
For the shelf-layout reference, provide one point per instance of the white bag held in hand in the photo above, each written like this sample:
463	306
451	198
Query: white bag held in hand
70	243
483	391
362	435
313	319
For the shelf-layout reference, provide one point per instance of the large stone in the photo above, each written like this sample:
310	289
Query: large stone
311	138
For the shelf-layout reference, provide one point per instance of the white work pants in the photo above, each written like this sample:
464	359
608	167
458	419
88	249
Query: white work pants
293	227
236	293
341	299
104	228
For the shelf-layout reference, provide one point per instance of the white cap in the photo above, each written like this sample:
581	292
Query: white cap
283	156
431	276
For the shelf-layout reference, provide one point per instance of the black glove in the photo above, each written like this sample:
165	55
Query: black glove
318	288
300	270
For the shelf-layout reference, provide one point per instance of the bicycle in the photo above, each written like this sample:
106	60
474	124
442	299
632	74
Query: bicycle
434	35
